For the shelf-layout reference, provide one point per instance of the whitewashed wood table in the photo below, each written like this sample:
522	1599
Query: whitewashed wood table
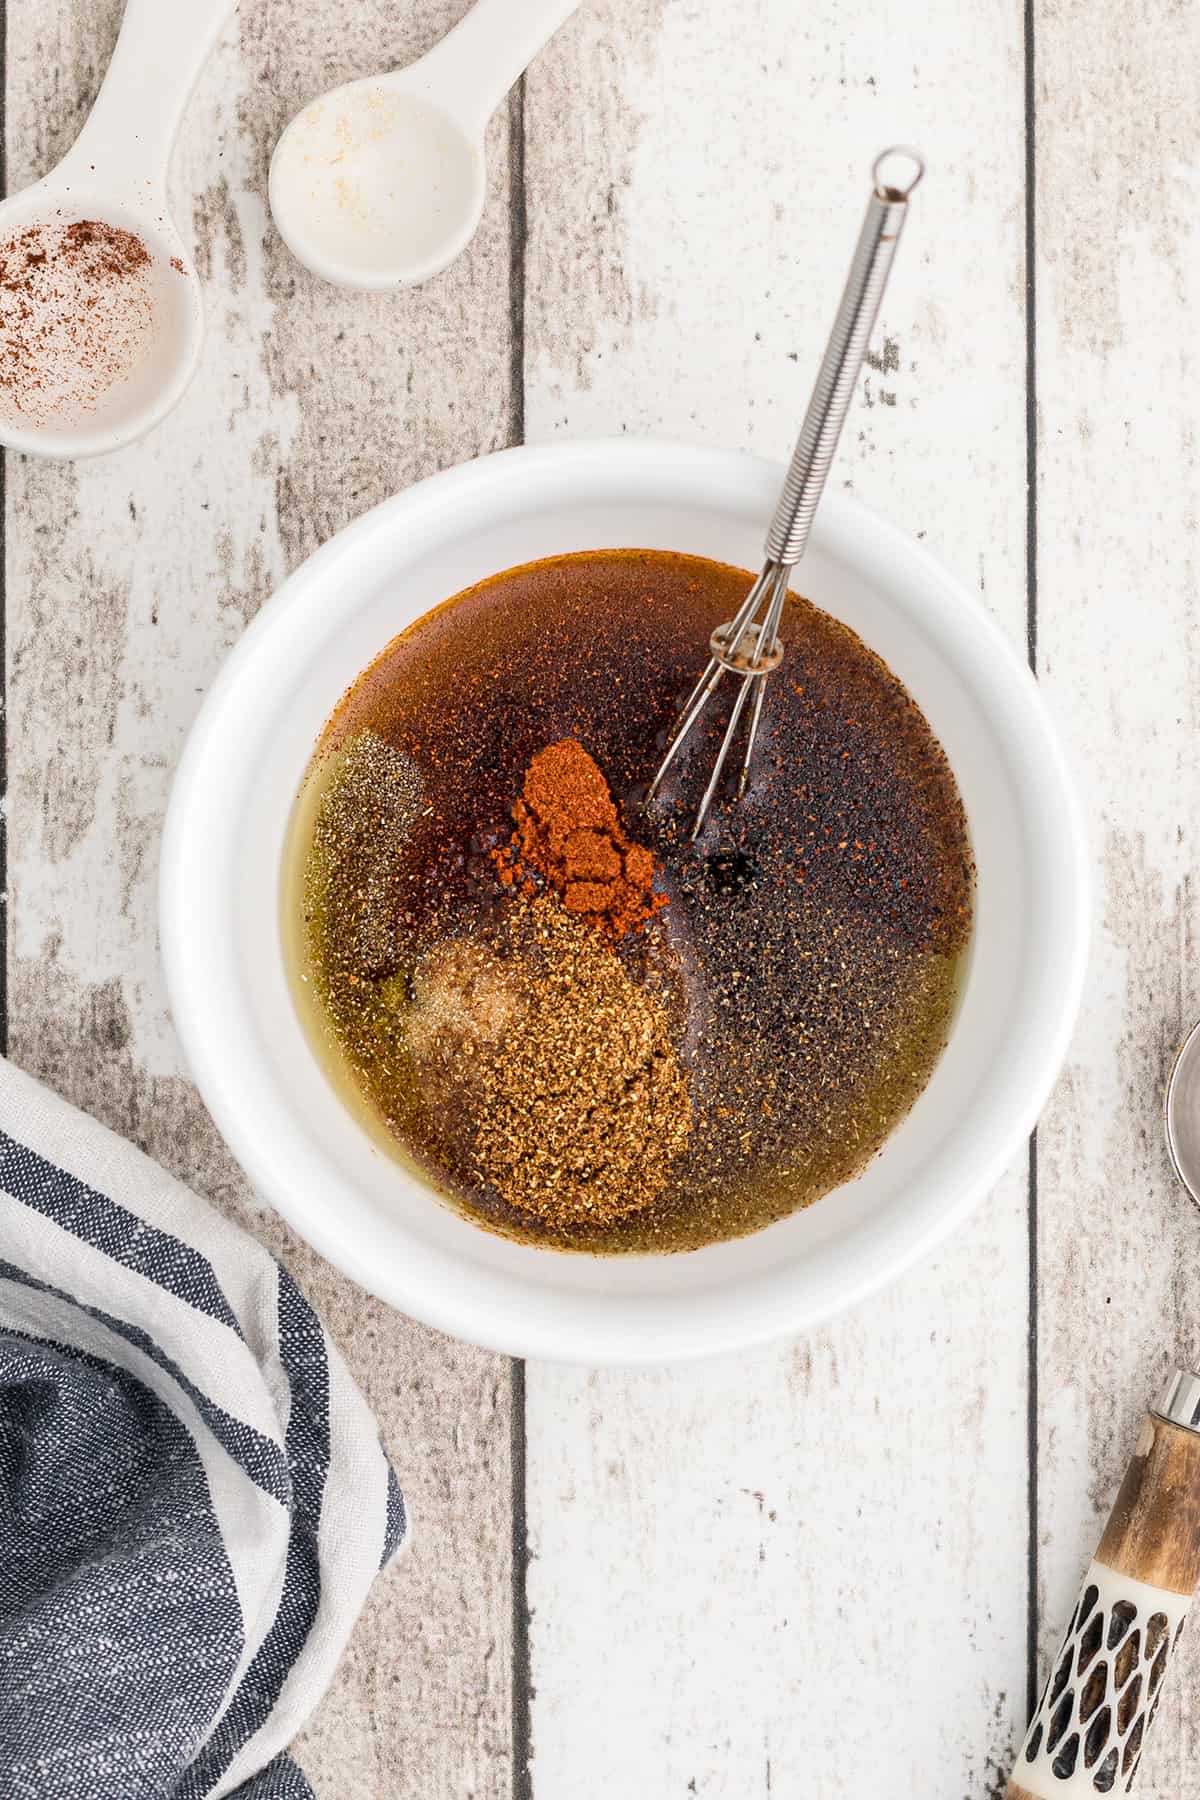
830	1569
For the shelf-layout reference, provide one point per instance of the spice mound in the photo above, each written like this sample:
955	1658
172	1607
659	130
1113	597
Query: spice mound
370	802
564	1065
569	832
76	317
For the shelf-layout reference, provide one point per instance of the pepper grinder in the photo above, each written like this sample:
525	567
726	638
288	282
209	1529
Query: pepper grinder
1104	1687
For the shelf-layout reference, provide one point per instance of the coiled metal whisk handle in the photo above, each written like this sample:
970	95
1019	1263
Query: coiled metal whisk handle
822	427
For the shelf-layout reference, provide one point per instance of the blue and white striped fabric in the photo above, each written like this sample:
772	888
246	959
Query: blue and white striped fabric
193	1498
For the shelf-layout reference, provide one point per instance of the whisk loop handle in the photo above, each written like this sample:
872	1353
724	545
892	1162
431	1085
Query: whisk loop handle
838	377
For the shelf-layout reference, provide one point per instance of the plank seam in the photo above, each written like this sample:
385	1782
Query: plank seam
522	1733
4	900
1031	422
1031	633
1032	1499
518	225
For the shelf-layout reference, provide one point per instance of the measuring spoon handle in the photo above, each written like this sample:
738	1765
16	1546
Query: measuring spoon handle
474	66
840	366
127	141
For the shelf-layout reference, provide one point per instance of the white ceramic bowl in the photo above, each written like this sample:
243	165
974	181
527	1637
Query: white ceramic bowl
220	902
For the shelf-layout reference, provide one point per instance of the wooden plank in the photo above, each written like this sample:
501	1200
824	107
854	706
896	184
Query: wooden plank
128	580
1118	288
801	1570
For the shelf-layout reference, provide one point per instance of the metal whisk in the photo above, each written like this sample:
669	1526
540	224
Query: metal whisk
748	646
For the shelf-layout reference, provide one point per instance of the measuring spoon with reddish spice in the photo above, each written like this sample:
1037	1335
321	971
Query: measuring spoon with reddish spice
101	322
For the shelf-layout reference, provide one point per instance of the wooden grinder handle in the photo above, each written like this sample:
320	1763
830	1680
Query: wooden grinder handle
1087	1735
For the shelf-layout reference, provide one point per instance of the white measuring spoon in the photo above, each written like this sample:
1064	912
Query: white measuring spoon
116	172
380	183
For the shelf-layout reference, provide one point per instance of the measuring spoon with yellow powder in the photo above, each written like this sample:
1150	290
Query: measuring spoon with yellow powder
380	183
100	317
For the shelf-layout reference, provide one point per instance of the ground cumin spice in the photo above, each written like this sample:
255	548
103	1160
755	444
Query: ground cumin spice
565	1067
568	831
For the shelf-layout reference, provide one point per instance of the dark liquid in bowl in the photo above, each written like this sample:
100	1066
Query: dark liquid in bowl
809	957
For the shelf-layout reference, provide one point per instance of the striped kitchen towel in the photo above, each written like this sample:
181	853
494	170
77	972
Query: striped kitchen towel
193	1498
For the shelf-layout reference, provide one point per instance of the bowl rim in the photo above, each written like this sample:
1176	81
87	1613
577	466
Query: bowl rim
728	1329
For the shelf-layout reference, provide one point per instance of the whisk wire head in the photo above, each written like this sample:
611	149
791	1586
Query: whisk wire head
748	648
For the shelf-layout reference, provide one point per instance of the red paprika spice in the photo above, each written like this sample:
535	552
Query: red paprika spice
569	832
